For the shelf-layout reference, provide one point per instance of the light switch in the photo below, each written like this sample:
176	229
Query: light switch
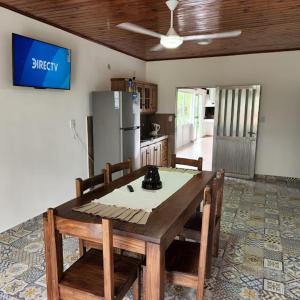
72	124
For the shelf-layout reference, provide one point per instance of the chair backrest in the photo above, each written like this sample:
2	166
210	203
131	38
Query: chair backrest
197	163
207	200
55	229
110	169
82	185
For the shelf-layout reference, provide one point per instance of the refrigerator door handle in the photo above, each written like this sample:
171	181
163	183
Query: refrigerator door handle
130	128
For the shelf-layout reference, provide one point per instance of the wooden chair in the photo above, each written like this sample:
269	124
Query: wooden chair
191	163
83	185
193	226
186	162
122	166
186	261
97	274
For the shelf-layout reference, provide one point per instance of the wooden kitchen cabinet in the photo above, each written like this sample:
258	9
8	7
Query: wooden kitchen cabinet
148	92
144	156
157	159
164	152
155	154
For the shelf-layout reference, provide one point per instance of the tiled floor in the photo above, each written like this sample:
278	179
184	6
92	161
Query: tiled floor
259	256
202	147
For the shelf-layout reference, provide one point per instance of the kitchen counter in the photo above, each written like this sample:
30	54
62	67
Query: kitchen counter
152	140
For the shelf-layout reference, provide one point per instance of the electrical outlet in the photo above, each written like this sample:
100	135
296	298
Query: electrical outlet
170	119
72	124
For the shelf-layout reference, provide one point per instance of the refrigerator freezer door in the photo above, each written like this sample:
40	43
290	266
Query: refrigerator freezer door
106	129
130	110
131	146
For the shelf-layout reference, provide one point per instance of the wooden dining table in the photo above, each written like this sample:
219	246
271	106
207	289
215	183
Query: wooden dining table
152	239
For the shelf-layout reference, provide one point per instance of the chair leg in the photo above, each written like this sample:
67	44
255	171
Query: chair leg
137	287
82	248
144	270
216	241
208	265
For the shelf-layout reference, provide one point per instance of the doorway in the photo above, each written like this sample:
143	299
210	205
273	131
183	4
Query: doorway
195	124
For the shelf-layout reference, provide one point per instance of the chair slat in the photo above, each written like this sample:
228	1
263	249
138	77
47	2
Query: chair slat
197	163
122	166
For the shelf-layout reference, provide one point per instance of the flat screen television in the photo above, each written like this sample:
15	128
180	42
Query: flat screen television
39	64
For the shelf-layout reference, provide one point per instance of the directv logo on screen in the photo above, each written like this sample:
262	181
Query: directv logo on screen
39	64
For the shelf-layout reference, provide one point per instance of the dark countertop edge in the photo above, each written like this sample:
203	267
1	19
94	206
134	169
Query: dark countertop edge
154	140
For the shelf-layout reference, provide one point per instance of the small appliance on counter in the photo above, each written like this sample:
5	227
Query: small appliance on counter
156	128
152	179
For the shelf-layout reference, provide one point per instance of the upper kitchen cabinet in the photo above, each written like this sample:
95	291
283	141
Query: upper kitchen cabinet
147	91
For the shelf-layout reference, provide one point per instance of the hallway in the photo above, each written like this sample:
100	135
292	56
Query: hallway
202	147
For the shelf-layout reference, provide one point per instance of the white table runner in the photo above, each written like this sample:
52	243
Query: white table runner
136	206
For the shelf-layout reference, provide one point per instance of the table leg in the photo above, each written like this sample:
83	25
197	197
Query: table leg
155	272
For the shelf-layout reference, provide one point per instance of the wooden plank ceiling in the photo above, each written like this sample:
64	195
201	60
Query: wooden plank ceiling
267	25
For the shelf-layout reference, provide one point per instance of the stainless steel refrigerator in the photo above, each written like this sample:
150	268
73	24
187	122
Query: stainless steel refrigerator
116	128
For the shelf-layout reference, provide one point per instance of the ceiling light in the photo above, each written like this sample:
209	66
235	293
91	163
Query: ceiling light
205	42
171	41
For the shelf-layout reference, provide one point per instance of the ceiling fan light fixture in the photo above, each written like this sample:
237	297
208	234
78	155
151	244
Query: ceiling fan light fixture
171	41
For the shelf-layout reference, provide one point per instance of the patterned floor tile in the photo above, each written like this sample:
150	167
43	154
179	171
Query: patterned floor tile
292	266
226	291
274	275
7	239
31	275
266	295
274	286
33	292
273	264
292	290
13	287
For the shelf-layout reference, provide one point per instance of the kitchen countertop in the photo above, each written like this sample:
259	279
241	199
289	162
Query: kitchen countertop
149	141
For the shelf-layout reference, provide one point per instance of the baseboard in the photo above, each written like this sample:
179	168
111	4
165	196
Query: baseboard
290	181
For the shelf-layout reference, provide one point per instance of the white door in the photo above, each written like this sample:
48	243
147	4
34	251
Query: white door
235	130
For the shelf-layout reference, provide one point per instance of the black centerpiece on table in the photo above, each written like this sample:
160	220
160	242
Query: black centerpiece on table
152	179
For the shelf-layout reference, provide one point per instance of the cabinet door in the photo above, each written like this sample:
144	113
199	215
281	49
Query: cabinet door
157	154
140	89
153	100
164	153
119	84
144	151
151	155
147	90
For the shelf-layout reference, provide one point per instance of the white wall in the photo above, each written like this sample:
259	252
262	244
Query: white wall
39	159
278	151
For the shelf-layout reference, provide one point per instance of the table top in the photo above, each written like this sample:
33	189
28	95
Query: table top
164	222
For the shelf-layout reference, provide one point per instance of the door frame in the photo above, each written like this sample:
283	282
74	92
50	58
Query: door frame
176	96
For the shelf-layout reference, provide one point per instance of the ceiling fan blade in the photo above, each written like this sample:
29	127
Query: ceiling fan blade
157	47
211	36
138	29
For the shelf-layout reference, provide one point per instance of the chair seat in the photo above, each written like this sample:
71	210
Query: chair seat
195	222
86	276
183	256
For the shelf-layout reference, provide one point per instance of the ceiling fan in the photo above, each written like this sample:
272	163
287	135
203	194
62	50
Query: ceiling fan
172	40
